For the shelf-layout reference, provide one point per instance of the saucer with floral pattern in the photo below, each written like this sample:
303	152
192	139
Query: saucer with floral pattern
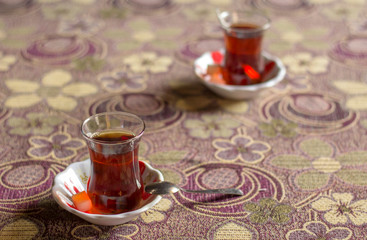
74	179
274	75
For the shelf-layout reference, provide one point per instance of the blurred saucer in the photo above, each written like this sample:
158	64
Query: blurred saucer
238	92
74	179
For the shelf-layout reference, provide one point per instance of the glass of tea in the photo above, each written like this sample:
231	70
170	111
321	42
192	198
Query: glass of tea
115	184
243	34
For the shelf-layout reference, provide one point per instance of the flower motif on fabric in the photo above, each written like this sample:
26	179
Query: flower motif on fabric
343	11
266	209
148	62
157	213
359	27
83	26
230	229
318	230
15	37
113	12
60	11
186	1
4	150
81	2
294	82
33	123
341	209
3	34
120	80
349	2
200	12
89	63
55	89
211	126
140	32
319	166
59	146
278	127
6	61
123	232
321	1
304	62
48	1
191	96
225	3
84	2
240	147
356	93
22	227
285	35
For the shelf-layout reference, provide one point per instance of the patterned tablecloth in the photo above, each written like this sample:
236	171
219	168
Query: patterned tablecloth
304	141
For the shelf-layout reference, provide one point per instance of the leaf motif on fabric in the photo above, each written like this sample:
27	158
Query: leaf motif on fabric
357	103
233	231
21	86
79	89
291	162
56	78
353	176
22	101
62	103
19	229
351	87
312	180
168	157
353	158
316	148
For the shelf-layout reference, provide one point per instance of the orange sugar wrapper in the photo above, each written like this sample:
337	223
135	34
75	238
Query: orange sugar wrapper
216	74
82	201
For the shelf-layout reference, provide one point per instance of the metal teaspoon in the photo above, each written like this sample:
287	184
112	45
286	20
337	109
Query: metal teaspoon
161	188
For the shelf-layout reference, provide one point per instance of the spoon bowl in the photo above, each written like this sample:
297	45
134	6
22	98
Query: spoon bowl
161	188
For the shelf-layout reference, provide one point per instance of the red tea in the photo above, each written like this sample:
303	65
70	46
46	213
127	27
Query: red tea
115	184
243	59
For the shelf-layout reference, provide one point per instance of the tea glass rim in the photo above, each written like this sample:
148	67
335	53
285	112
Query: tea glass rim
114	142
261	28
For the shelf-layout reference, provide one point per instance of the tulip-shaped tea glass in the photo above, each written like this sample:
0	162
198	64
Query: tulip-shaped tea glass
243	34
115	184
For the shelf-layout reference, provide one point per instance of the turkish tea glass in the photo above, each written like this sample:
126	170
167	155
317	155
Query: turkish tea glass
115	184
243	35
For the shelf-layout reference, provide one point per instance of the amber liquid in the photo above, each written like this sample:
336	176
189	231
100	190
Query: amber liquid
115	183
243	51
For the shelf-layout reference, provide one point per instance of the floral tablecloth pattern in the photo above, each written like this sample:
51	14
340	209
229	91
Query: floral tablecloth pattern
298	150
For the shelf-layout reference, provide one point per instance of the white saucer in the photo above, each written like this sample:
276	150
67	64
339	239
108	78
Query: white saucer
238	92
76	176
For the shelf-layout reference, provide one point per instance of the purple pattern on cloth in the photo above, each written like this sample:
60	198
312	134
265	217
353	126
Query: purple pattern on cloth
36	50
120	79
35	190
30	33
349	52
218	203
48	50
314	108
315	231
241	147
192	50
59	144
161	113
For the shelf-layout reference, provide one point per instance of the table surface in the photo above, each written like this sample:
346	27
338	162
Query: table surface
304	141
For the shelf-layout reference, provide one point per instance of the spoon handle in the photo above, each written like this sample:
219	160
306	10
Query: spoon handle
231	191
